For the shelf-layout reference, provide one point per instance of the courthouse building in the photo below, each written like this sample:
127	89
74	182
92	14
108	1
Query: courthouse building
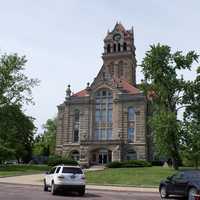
107	121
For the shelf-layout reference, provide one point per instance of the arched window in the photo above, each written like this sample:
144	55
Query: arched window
114	48
125	46
103	115
108	48
131	124
76	126
119	47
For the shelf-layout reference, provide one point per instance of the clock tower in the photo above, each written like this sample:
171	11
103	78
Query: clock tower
119	54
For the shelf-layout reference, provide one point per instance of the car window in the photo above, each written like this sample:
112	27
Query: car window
72	170
178	176
57	170
52	170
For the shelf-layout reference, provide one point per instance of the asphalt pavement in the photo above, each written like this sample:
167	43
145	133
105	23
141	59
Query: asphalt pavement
27	192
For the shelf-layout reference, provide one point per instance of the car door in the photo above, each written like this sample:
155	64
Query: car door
179	183
50	176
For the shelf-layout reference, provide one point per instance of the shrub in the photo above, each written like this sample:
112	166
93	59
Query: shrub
114	164
58	160
129	163
157	163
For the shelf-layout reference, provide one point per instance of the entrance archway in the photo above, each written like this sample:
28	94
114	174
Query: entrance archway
75	155
100	156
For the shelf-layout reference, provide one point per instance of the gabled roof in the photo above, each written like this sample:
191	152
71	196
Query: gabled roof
130	89
81	93
124	86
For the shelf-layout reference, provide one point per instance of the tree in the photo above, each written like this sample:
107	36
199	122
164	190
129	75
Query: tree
45	144
15	86
191	128
16	129
16	133
160	67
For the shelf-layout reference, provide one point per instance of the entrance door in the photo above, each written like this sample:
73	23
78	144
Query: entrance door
103	157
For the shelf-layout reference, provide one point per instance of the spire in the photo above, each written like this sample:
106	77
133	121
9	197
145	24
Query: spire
119	27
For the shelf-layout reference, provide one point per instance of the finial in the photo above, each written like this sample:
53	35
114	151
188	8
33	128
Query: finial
68	92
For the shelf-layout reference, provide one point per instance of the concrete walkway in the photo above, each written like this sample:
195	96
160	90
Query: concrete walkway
36	180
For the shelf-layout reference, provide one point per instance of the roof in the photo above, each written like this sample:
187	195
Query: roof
129	88
81	93
126	87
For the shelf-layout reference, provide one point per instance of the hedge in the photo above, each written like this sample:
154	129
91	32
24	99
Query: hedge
129	163
58	160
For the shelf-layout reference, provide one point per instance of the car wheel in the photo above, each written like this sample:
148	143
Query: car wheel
163	192
191	193
82	192
53	189
45	186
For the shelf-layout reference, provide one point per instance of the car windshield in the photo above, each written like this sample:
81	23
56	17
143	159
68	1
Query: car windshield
72	170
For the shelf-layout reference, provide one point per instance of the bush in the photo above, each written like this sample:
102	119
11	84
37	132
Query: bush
58	160
114	164
157	163
129	163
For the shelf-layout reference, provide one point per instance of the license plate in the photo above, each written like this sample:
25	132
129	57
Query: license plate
73	177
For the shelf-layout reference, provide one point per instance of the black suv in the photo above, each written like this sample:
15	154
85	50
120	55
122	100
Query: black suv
183	183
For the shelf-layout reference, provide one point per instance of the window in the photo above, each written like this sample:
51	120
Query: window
131	114
76	116
57	170
130	134
71	170
119	47
103	115
76	126
52	170
125	46
131	124
76	135
114	47
108	48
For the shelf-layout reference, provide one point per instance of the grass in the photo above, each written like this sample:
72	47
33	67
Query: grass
15	170
141	177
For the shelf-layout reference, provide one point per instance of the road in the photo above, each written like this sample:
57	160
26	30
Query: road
24	192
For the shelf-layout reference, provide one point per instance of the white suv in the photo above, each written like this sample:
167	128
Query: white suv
64	177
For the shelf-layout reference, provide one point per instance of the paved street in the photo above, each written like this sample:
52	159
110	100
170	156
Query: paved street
23	192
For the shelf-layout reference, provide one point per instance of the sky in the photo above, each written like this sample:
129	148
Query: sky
63	39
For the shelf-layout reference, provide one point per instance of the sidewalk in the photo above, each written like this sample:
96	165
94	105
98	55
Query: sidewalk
36	180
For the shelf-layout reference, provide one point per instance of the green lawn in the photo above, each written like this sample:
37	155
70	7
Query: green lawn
15	170
147	176
142	177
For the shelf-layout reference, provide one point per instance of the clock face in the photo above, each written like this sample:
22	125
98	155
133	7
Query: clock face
116	37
